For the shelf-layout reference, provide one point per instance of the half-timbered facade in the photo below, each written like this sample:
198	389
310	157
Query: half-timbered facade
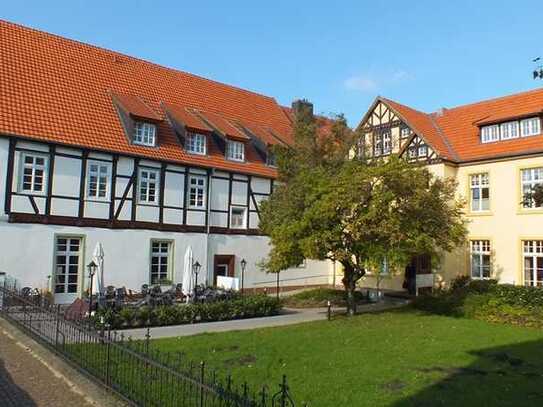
494	151
96	147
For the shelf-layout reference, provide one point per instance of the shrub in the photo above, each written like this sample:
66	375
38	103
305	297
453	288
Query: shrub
240	307
487	300
318	297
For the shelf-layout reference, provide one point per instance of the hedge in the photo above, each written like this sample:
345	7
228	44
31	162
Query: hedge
244	307
487	300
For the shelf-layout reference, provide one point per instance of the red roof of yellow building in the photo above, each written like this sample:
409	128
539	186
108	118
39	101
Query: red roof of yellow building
455	133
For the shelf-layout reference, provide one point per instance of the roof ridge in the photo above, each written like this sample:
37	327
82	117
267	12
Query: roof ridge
134	58
494	99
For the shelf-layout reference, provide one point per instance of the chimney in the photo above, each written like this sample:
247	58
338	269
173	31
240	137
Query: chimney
441	111
302	107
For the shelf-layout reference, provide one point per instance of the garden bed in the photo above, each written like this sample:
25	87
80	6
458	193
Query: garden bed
250	306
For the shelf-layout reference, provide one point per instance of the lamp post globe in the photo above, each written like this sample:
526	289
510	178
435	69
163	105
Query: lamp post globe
195	270
91	267
243	266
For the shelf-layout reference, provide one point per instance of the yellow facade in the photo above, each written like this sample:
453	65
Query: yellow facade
504	225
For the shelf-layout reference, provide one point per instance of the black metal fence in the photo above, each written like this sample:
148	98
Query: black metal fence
140	374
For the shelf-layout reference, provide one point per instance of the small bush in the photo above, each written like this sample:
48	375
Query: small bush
319	297
487	300
240	307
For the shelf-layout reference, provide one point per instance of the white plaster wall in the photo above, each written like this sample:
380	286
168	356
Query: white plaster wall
27	253
66	176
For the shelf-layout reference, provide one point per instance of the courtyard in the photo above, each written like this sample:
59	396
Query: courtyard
395	358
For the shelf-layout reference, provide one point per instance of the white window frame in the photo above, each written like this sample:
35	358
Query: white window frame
422	151
198	190
67	265
527	184
479	183
480	251
387	143
144	183
160	256
244	217
405	132
490	134
98	174
378	145
530	127
34	168
509	130
144	134
384	268
532	251
196	143
235	150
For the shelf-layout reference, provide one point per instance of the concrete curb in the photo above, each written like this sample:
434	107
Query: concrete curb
92	392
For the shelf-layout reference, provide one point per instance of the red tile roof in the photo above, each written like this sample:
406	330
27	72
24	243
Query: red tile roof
59	90
455	134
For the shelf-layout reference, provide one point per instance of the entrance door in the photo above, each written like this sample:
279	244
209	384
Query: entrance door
67	269
224	266
419	276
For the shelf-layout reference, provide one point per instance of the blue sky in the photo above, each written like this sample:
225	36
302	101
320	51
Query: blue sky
339	55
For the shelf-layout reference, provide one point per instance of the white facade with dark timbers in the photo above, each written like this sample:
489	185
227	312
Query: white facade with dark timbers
146	171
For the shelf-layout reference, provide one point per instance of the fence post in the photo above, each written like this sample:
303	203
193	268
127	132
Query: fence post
108	341
202	376
147	340
57	317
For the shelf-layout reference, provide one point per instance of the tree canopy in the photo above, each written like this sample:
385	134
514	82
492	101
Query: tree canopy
357	212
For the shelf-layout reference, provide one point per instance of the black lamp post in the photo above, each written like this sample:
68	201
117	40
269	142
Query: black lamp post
243	265
195	270
91	267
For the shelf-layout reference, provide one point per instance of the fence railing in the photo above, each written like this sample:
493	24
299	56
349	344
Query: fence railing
135	370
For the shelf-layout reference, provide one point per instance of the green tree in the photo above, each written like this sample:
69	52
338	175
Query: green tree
354	211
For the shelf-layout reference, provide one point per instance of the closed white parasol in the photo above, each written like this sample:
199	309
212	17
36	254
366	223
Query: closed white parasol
98	258
187	282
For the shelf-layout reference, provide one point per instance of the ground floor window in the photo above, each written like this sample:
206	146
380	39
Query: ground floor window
533	262
480	259
67	261
161	251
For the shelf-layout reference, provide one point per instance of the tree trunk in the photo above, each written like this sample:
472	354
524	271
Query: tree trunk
349	282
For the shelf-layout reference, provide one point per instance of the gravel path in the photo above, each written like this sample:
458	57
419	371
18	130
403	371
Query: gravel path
26	382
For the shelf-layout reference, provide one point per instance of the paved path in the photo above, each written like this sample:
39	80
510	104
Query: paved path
26	382
290	317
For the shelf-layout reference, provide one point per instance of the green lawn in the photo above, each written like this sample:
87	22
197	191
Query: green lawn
401	358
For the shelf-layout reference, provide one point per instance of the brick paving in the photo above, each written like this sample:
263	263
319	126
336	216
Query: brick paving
26	382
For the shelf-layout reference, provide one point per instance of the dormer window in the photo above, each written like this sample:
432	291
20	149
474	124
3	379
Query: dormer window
271	159
235	150
490	133
530	127
195	143
509	130
144	134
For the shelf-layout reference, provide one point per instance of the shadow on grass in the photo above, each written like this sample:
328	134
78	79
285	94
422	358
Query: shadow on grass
502	376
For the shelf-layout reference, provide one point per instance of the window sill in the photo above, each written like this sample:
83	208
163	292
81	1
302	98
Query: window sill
96	200
479	213
152	204
527	211
33	193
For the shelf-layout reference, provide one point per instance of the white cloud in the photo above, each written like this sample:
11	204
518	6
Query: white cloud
372	83
360	83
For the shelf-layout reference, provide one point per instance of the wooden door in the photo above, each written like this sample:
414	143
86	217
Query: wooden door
224	265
